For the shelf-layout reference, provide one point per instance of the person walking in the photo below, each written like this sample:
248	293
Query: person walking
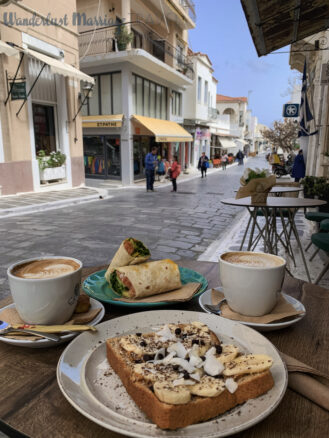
298	168
150	165
240	157
161	169
224	161
175	171
203	164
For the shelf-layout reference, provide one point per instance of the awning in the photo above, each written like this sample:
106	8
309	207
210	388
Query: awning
110	121
164	130
275	23
60	67
7	49
227	144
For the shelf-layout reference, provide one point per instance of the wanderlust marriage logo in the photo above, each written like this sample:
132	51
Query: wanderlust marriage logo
77	19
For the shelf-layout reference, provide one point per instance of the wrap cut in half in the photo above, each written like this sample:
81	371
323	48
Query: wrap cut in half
146	279
130	252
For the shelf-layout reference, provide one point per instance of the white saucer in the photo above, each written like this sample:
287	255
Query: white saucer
41	343
205	298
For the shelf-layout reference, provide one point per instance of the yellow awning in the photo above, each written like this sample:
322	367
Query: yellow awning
61	68
164	131
110	121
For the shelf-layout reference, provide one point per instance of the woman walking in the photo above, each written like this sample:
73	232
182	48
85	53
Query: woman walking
298	169
175	171
203	164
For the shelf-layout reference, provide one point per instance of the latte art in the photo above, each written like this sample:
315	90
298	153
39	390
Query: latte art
252	260
47	268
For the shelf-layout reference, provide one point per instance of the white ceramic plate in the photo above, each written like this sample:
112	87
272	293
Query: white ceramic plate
205	298
90	385
41	343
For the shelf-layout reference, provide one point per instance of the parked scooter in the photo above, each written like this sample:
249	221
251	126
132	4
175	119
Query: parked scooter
281	170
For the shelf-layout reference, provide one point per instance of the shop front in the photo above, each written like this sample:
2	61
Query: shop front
102	146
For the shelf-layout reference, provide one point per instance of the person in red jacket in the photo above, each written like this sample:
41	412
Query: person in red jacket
175	171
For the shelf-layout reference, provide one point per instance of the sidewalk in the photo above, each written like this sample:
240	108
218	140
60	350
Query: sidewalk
17	205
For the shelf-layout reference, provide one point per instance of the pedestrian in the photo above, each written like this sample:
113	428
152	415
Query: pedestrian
150	165
224	161
174	173
240	157
203	164
298	168
161	169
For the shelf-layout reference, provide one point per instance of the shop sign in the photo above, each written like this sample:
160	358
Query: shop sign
108	124
202	134
162	139
18	90
290	110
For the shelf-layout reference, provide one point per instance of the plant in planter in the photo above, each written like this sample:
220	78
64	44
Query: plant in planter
51	166
256	183
317	187
123	37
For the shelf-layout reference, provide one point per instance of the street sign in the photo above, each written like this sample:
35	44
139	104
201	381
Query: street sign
290	110
18	91
325	74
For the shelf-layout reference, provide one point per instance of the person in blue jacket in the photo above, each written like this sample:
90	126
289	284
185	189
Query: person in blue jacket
150	165
298	168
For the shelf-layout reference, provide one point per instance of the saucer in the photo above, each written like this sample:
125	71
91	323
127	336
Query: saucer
205	298
41	343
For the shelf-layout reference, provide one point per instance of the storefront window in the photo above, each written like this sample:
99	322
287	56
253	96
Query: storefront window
102	156
44	128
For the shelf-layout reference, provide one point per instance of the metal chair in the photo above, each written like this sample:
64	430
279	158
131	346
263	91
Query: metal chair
321	241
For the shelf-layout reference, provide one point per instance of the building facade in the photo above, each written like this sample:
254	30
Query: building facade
39	97
141	70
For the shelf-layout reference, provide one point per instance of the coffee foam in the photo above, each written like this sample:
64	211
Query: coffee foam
254	260
46	268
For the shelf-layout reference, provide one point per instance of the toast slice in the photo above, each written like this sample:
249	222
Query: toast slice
182	374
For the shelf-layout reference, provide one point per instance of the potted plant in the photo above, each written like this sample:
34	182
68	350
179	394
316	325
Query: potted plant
123	37
51	166
256	183
317	187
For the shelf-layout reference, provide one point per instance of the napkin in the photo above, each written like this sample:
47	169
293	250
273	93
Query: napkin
301	381
184	293
282	310
11	316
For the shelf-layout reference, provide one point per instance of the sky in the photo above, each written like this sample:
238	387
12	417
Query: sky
222	32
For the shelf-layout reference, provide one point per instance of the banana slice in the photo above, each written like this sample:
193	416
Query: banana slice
167	393
208	387
130	346
248	364
229	352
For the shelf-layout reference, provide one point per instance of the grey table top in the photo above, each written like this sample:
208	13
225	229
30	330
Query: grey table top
274	202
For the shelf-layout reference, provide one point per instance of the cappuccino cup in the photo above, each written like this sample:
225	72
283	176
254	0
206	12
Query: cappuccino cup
45	289
251	281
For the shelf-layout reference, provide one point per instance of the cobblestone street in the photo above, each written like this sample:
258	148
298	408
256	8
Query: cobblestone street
181	225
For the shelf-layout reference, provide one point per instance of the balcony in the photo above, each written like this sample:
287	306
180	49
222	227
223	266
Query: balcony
107	40
188	6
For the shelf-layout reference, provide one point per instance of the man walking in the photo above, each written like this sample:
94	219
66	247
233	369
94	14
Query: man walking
203	164
150	164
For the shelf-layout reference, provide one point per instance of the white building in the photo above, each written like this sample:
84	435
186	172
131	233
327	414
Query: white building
140	79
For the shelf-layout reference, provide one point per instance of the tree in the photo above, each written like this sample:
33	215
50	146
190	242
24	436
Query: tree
283	135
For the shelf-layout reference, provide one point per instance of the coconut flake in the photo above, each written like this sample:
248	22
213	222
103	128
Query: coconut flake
195	376
182	363
179	348
231	385
166	334
212	366
162	352
168	358
210	352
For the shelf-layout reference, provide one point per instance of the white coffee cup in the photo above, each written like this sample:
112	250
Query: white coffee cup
45	300
251	281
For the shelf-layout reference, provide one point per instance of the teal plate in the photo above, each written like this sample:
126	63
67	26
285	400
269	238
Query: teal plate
97	287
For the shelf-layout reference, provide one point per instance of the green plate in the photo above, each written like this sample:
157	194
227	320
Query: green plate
97	287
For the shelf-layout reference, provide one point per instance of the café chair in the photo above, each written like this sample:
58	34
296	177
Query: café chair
324	228
321	241
315	216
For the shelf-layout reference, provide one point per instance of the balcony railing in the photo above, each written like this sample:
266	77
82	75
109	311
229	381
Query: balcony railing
189	7
105	40
212	113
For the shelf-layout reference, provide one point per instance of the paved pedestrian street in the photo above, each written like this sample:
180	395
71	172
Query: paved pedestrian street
181	225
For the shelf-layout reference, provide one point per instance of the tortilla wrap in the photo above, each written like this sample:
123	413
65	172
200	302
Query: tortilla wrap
147	279
123	258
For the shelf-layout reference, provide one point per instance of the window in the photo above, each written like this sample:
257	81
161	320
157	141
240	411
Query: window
150	99
176	103
206	92
180	55
199	89
44	128
106	95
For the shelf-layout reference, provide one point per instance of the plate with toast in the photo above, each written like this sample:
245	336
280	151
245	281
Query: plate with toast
173	373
